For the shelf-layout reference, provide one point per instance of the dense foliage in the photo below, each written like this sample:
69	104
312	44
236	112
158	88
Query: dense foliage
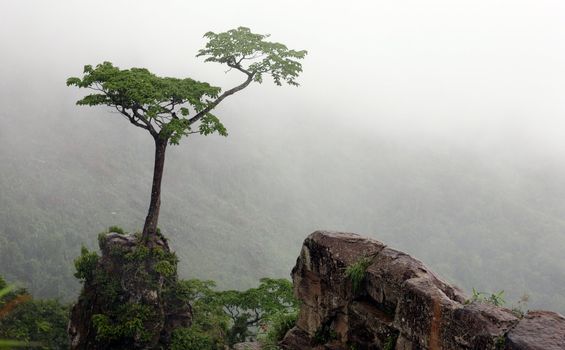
41	323
222	318
157	104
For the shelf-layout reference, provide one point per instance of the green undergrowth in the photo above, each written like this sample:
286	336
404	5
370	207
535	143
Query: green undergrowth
219	318
127	322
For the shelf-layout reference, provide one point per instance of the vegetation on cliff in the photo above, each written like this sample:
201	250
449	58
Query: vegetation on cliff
223	318
220	318
133	299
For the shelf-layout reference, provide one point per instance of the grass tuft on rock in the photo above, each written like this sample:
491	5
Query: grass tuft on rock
356	272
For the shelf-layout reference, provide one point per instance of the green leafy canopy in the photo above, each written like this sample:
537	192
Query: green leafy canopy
243	50
168	107
159	105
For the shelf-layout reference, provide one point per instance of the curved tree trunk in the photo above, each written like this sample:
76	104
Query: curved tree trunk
150	227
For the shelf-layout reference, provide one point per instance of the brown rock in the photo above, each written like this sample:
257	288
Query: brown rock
400	304
296	339
538	330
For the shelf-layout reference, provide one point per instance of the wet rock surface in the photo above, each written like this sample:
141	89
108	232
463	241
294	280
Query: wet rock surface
399	304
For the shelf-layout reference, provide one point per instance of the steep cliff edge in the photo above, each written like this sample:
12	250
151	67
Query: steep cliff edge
398	303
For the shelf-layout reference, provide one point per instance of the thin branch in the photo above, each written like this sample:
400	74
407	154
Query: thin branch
131	118
226	93
256	319
141	117
259	55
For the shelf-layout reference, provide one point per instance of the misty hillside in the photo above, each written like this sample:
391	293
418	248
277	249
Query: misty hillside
238	208
435	127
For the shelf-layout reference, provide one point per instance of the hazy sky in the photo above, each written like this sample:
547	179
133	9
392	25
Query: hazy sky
486	74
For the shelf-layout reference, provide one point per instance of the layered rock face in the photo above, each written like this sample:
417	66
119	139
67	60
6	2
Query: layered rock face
399	304
130	298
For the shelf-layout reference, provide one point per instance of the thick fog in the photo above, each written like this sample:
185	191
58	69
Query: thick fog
437	127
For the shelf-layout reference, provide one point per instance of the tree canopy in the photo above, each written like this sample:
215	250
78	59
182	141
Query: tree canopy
168	107
160	105
251	54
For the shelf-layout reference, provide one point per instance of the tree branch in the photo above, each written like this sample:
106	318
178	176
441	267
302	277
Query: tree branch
226	93
256	319
131	118
146	122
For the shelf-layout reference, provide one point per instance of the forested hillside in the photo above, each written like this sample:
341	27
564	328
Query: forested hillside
238	208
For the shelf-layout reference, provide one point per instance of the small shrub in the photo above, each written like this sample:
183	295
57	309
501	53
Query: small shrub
519	309
85	264
496	299
109	288
139	254
104	329
356	272
126	322
116	229
279	325
165	268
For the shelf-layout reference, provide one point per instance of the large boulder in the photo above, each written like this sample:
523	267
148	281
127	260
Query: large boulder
129	298
397	304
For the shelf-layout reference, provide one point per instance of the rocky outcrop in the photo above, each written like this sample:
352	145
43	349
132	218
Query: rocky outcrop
129	299
398	303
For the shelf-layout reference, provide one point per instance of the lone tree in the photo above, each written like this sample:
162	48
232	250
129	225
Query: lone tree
171	108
